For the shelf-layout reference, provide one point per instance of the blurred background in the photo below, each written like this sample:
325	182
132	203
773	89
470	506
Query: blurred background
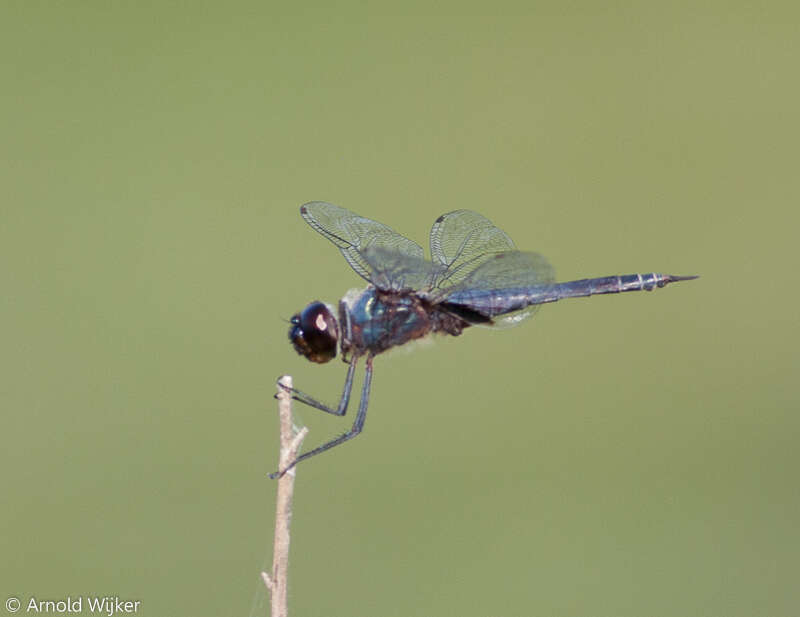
621	455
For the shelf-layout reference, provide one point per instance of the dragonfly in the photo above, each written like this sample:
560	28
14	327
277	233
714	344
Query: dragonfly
475	277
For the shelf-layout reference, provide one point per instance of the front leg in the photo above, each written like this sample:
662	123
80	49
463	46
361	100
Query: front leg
358	425
302	397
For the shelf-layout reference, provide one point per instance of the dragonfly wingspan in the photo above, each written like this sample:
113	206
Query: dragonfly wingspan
464	249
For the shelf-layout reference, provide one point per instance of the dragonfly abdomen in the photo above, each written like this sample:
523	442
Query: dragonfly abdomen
614	284
489	303
480	305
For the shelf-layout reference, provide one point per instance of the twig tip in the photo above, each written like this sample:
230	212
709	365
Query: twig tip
294	446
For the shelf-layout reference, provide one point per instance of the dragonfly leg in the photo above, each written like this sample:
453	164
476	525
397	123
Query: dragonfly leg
358	425
344	401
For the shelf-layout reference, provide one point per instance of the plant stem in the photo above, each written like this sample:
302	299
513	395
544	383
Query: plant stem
277	582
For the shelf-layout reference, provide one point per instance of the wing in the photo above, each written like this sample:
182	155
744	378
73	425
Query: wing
497	292
461	241
392	270
355	235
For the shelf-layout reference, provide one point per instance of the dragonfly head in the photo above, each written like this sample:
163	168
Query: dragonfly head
315	332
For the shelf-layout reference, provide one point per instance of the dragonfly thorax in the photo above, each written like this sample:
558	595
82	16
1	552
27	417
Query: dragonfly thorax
376	320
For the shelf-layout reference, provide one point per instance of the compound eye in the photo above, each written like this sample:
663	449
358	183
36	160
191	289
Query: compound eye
314	333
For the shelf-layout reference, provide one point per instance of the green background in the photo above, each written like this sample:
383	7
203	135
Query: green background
622	455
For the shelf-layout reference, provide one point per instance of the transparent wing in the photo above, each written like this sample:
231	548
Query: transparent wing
461	241
392	270
355	234
497	291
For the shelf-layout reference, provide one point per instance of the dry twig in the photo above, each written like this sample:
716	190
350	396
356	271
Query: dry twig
277	582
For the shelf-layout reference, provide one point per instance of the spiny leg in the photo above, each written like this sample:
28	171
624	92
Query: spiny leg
358	425
302	397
